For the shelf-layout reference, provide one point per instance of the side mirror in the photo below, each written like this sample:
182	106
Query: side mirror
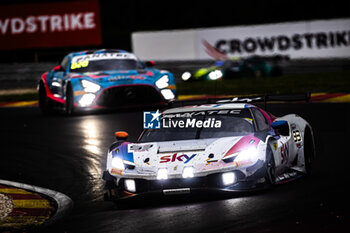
121	135
150	63
281	127
58	68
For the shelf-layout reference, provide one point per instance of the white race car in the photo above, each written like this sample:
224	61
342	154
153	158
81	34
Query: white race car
223	147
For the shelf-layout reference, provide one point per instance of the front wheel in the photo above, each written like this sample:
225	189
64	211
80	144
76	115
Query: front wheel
44	102
270	167
69	106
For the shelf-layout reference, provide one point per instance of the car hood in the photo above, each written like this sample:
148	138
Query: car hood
204	154
121	76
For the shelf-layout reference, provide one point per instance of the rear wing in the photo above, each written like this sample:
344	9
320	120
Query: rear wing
247	99
267	98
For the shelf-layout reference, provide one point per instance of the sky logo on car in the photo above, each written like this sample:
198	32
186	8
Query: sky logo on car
175	157
151	120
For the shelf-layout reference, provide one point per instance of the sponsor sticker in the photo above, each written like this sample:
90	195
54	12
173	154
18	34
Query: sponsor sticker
138	148
274	145
177	158
102	56
78	65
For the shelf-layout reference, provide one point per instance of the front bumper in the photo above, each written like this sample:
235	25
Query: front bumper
129	95
183	186
120	96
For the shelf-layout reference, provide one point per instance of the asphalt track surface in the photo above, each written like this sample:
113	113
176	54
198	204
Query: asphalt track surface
68	154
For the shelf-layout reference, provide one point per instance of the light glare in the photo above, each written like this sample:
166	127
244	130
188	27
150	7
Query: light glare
90	86
162	174
86	100
168	94
247	154
228	178
188	172
186	76
130	185
162	82
118	163
216	74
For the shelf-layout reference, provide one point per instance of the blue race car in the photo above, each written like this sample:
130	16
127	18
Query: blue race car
103	79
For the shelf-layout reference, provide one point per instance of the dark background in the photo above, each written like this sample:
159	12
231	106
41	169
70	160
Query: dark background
120	18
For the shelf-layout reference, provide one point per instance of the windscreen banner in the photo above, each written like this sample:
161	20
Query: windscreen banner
49	25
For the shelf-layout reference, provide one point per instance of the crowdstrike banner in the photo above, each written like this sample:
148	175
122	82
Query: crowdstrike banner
307	39
313	39
319	40
55	24
48	23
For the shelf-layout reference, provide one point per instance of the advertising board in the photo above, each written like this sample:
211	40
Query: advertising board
46	25
307	39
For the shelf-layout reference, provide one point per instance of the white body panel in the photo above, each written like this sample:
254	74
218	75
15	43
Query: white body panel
209	156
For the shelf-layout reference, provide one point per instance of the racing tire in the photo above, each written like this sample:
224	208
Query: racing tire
110	186
270	167
309	151
44	102
69	105
108	195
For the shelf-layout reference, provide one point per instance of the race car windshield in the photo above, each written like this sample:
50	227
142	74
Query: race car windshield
210	125
104	65
231	126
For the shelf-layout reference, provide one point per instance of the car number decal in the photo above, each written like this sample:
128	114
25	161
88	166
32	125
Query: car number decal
78	65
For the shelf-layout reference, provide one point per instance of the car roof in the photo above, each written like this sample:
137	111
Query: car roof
207	107
86	52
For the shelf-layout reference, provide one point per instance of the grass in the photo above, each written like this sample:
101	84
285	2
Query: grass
335	82
19	97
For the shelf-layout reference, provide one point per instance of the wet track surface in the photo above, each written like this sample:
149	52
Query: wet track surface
68	154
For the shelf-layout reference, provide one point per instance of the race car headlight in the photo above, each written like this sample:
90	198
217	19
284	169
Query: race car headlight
246	156
162	174
188	172
228	178
87	99
216	74
168	94
90	86
130	185
163	82
186	76
56	84
118	163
